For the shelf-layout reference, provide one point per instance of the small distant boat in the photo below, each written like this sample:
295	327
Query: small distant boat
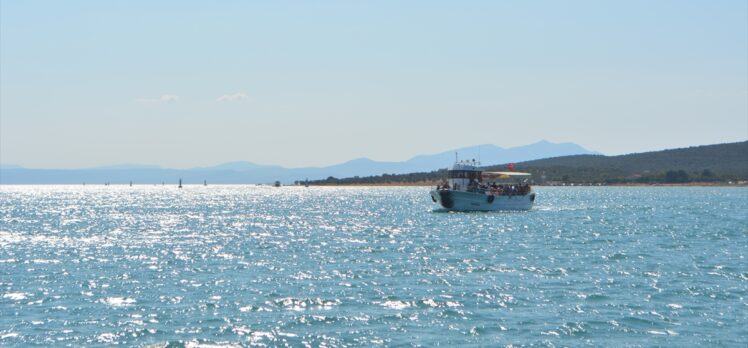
180	183
205	182
277	183
470	189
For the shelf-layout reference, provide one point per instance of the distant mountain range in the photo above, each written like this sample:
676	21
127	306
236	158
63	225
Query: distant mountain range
249	173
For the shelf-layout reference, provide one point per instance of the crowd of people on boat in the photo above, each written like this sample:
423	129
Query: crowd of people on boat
508	190
492	188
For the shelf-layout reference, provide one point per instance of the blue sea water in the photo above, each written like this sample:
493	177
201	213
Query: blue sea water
364	266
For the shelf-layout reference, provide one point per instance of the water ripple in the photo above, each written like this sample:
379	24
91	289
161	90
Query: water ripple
227	266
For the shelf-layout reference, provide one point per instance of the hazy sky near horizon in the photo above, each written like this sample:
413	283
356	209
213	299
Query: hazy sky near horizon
193	83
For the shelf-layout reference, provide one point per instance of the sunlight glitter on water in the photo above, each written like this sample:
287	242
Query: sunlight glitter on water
244	265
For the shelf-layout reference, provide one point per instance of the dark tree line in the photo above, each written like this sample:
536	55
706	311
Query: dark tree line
710	163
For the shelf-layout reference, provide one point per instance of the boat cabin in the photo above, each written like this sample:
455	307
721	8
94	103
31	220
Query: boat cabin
462	174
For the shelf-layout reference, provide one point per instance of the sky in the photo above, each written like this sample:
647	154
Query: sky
300	83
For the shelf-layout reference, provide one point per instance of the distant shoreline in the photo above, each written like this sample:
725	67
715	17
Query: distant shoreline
414	184
423	184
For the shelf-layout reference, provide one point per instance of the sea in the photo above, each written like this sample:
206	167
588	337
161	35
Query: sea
226	266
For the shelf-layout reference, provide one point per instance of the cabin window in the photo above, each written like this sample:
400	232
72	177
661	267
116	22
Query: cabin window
464	174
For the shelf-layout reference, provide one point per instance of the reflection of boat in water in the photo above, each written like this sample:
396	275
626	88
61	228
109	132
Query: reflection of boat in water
470	189
277	184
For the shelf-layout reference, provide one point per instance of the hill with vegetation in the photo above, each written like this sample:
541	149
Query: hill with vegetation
708	163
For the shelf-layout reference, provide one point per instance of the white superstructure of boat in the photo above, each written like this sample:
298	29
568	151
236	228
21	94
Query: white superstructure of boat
468	188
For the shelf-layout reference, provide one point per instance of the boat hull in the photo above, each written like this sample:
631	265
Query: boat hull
471	201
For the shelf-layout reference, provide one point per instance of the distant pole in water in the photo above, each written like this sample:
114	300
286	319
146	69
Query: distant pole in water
180	182
130	183
205	182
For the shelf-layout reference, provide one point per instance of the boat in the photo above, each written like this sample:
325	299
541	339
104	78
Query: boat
468	188
277	184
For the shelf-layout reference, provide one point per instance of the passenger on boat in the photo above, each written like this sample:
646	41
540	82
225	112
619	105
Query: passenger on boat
472	187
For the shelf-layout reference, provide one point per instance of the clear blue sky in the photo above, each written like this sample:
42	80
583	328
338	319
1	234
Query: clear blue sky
183	83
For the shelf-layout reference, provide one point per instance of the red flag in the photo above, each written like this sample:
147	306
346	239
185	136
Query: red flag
510	166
